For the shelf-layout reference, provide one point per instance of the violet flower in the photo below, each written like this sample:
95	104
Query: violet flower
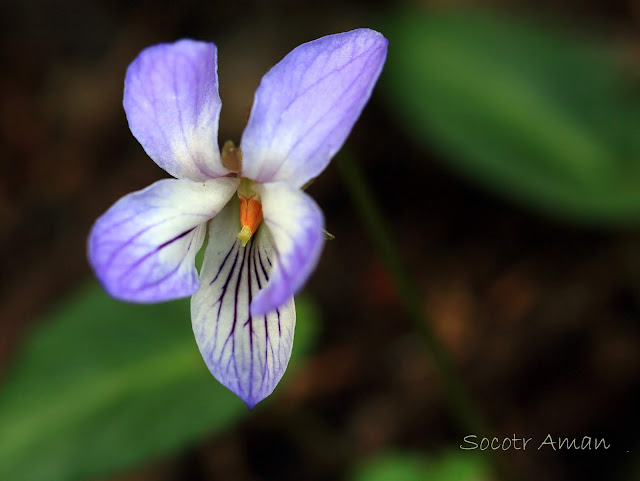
265	233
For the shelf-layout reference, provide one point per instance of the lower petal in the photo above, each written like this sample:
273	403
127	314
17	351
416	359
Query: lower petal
248	354
143	248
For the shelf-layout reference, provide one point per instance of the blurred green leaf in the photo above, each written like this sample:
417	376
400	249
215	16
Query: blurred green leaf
447	466
537	114
104	385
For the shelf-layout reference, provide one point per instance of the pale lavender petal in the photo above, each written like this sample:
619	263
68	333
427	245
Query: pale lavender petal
307	104
143	248
172	105
296	225
247	353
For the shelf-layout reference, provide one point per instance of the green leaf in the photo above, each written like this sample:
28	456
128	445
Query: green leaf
408	466
539	115
103	385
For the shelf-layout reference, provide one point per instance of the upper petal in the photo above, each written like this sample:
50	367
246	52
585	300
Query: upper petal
296	225
307	104
143	248
172	104
246	353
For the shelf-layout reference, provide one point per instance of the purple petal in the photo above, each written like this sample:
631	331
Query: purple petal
307	104
143	248
296	225
247	353
172	105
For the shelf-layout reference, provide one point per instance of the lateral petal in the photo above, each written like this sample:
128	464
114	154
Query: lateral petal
247	353
172	104
296	225
143	248
307	104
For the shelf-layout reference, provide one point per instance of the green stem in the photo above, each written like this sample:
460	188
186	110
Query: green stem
462	406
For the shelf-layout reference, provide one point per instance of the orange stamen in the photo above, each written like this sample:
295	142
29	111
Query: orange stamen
250	217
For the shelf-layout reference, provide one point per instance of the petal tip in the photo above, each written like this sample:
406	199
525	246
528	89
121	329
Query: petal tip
257	306
251	403
251	398
268	300
371	32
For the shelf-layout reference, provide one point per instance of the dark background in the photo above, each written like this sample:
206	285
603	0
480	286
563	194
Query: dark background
539	312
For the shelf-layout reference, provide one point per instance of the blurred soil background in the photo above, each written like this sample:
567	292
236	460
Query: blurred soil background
541	315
